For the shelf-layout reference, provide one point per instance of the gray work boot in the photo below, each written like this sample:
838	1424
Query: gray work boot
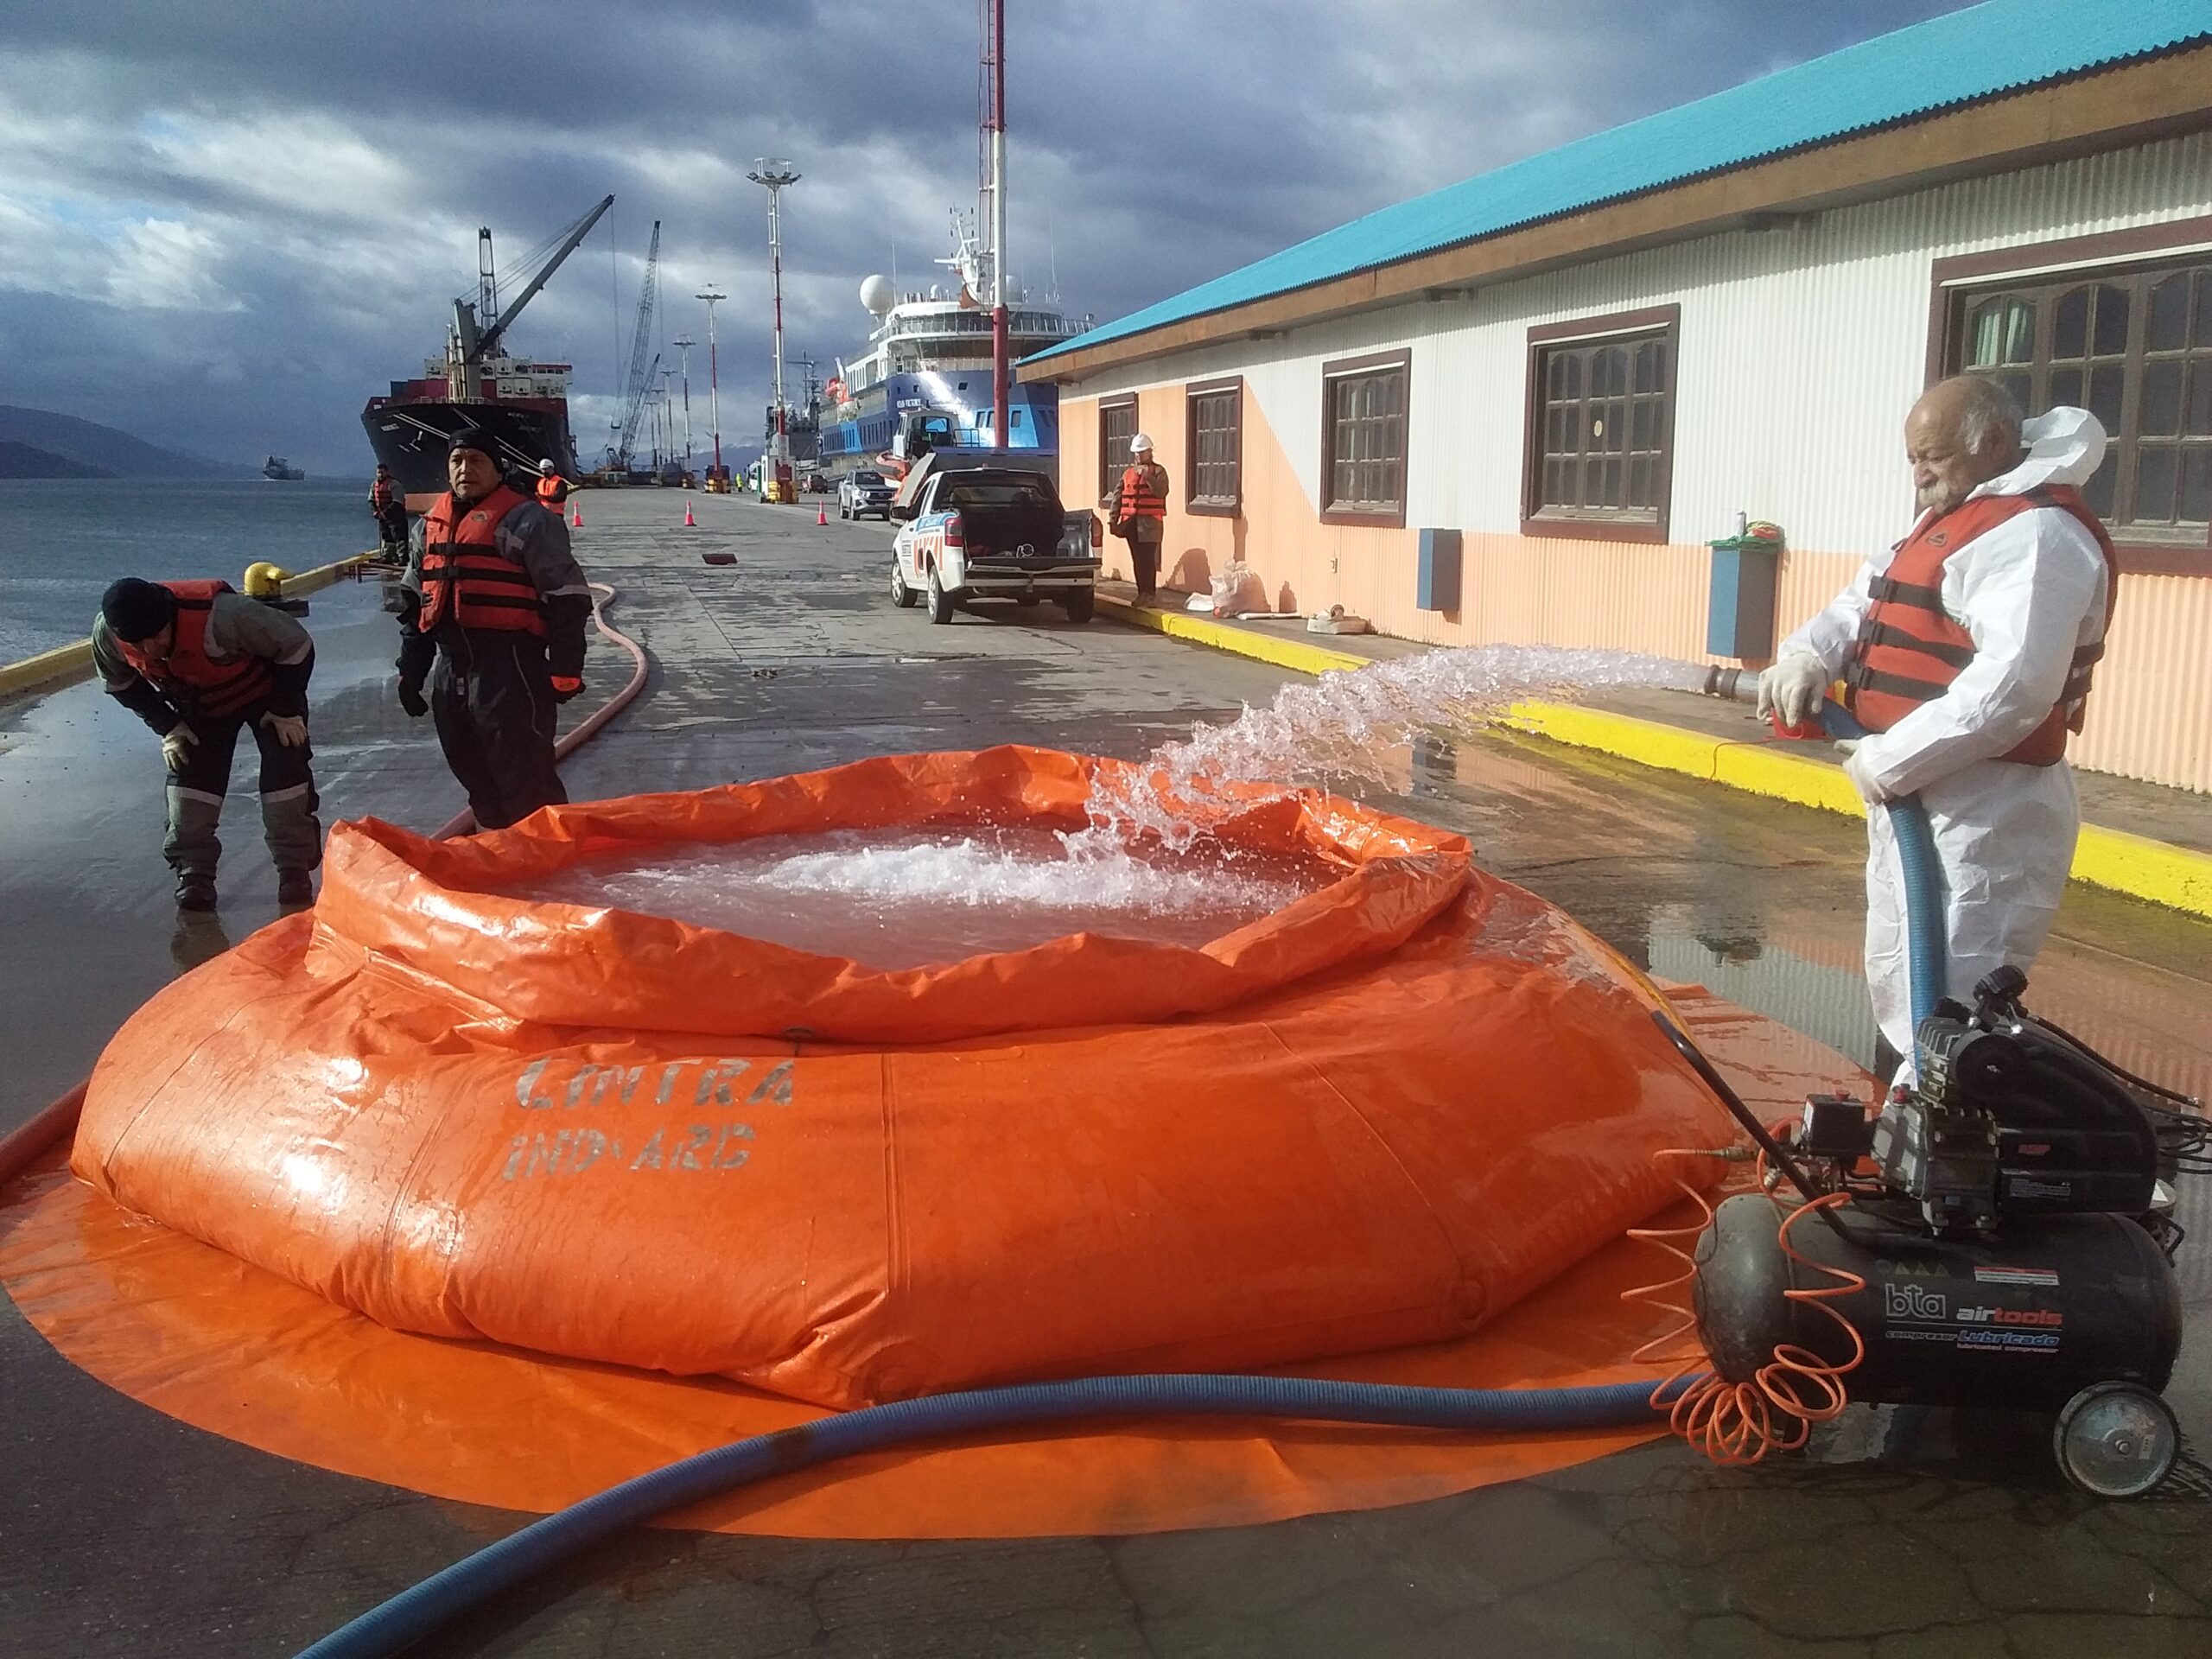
195	891
295	889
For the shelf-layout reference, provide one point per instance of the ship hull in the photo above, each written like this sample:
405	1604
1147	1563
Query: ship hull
411	438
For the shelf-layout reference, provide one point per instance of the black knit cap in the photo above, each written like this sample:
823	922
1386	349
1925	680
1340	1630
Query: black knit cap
136	609
482	442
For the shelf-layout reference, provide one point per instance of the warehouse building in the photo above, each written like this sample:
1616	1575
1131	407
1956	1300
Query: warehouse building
1521	407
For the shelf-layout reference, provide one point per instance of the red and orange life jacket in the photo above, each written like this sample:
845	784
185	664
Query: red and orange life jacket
200	684
552	490
1144	492
466	576
382	493
1910	649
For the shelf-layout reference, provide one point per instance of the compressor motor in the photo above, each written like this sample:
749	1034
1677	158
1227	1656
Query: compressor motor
2006	1244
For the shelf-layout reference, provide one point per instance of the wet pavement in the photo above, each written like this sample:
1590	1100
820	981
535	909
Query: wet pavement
1906	1533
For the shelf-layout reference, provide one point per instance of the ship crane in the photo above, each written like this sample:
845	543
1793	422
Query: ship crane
472	342
642	366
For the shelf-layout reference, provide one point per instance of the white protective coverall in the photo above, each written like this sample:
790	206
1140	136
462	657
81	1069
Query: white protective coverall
2028	592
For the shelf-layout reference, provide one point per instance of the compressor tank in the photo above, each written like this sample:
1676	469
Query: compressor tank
2023	1322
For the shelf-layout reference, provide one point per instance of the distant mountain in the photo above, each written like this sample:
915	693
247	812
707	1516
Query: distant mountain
106	451
22	461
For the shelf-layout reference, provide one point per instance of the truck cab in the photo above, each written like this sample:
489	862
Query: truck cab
990	526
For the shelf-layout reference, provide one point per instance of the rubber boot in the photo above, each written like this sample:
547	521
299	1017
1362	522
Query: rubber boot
195	891
295	889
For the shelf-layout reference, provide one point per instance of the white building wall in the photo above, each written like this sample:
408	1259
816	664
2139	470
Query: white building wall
1801	349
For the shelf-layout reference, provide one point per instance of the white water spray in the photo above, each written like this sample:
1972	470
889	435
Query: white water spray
1339	728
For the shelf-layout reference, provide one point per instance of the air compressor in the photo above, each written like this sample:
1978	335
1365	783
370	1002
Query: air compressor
2007	1242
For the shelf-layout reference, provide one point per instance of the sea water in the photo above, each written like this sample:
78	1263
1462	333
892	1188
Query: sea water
63	540
891	898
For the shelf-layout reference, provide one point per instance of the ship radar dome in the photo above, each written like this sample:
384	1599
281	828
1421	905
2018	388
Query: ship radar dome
876	295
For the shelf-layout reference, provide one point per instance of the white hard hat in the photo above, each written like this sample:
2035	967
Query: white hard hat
1139	444
544	465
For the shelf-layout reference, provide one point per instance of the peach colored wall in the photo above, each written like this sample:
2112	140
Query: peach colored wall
2151	718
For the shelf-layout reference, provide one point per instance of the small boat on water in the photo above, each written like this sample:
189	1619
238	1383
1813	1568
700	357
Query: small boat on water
276	467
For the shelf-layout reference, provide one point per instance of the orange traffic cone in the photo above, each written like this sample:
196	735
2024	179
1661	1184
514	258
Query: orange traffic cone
821	515
577	523
690	523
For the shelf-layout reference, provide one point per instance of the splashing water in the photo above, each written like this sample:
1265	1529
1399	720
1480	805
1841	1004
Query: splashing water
1339	728
902	899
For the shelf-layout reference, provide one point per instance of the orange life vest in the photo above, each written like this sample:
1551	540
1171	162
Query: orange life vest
552	491
1910	649
464	574
200	684
1144	492
382	494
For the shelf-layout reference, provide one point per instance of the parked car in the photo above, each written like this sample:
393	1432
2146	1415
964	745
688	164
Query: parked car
994	530
862	494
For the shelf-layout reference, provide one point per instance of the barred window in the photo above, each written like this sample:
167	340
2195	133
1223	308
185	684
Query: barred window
1364	433
1216	446
2134	348
1117	424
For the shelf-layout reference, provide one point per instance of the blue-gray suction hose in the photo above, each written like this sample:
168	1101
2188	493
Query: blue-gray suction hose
415	1612
1927	951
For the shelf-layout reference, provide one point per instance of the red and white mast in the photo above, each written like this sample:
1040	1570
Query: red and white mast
994	135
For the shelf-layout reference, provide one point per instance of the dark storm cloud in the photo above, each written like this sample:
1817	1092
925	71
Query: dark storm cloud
223	225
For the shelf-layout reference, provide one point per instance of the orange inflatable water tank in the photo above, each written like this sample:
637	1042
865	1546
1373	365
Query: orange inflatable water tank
1374	1117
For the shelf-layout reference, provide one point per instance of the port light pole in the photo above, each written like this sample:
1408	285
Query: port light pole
774	173
684	344
714	382
995	127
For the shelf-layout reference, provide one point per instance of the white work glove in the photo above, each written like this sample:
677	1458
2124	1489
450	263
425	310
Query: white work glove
290	730
176	743
1861	774
1795	689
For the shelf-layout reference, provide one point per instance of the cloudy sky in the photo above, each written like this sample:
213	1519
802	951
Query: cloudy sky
223	224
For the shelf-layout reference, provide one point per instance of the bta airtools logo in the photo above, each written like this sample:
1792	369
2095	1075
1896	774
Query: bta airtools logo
1915	1308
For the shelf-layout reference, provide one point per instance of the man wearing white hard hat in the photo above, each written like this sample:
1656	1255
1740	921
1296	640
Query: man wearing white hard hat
1140	513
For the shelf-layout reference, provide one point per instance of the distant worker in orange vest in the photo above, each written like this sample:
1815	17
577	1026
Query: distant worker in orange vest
552	488
493	601
1140	513
198	662
1966	650
390	507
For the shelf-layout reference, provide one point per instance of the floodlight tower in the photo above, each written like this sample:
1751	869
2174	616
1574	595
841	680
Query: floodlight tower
684	344
773	173
994	141
714	382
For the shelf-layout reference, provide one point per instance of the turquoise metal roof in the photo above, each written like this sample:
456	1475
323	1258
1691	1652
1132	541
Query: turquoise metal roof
1998	46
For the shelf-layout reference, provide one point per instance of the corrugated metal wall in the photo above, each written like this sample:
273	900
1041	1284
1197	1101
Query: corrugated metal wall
1801	348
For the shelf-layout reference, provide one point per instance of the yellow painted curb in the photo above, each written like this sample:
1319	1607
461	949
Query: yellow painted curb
2179	878
66	664
1295	654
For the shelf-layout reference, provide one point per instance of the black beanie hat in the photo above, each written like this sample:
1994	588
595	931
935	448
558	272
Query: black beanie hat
481	442
136	609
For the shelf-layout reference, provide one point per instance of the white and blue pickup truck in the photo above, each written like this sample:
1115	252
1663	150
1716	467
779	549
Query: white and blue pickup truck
990	527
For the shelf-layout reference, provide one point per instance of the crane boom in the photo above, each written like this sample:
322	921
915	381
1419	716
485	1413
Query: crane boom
490	337
641	367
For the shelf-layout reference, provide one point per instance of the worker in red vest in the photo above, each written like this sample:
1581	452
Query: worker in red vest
494	603
1140	513
1968	651
390	507
198	662
552	488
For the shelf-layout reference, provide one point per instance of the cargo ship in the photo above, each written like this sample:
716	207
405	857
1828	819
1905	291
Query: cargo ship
520	405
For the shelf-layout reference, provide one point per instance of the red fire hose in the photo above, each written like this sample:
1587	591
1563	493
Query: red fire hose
22	1146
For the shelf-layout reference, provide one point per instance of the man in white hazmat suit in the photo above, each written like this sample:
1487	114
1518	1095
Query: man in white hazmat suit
1966	650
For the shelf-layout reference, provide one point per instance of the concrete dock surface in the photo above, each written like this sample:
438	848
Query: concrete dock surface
1902	1533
